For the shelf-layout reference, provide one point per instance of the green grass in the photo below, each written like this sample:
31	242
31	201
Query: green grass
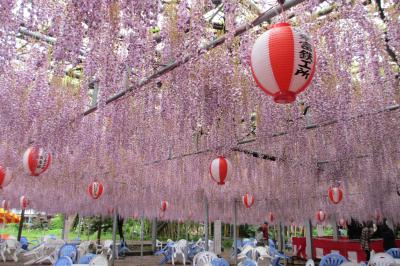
33	234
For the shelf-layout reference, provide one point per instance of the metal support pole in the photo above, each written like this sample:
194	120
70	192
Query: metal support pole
235	232
308	232
206	221
114	238
154	234
141	235
21	224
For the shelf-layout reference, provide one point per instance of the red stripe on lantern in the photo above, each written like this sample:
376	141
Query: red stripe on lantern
281	54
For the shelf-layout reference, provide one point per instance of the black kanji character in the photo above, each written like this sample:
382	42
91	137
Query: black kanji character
303	72
306	55
306	46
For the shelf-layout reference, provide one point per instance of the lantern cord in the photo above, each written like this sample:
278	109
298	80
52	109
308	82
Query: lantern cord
281	2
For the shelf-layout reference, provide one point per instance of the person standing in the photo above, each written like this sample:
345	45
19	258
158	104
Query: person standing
265	232
365	238
389	239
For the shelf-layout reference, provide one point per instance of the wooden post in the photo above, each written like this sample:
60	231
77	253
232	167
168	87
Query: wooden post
217	237
154	234
235	232
141	235
308	232
206	223
21	224
280	236
63	231
99	231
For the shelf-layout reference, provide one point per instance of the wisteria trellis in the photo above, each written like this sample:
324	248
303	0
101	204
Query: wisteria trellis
202	109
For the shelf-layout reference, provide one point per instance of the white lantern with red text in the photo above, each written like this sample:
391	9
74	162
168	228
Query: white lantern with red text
23	202
283	62
320	216
5	177
248	200
220	169
164	205
5	204
36	160
335	194
95	189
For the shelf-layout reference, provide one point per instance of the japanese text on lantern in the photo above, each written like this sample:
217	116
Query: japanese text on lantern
306	57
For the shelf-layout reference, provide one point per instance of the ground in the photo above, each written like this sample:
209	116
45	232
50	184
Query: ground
144	261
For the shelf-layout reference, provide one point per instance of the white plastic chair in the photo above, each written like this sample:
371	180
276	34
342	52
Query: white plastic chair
381	259
45	252
203	258
310	262
159	244
261	253
13	248
99	260
179	248
3	248
107	249
349	263
247	252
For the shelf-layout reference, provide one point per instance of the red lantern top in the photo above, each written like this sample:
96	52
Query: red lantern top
220	169
95	189
248	200
36	160
283	62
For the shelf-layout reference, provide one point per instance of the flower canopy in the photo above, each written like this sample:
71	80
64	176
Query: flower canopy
135	94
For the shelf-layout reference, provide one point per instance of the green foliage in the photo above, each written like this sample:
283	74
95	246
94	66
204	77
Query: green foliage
227	243
57	222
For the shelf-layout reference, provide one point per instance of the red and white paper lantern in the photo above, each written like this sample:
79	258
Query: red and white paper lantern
5	204
5	177
36	160
95	189
23	202
248	200
283	62
220	169
164	205
271	217
335	194
320	216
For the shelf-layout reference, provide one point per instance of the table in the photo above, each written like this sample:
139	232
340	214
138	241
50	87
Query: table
351	249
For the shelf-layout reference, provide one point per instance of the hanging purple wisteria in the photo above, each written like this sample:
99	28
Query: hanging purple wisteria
156	141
